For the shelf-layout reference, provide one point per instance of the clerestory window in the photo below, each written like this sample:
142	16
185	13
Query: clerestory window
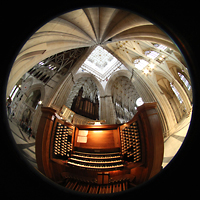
184	81
176	93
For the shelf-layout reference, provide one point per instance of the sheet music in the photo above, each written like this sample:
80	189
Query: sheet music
83	133
82	139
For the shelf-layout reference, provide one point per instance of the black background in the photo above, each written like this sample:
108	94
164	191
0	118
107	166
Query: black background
178	19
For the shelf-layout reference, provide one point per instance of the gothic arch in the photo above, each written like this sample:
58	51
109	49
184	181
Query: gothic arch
96	81
114	76
160	73
110	108
173	102
37	87
61	34
178	68
36	113
174	69
75	79
178	64
164	74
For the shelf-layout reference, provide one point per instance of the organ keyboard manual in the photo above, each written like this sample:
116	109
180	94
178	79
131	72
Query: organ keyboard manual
96	155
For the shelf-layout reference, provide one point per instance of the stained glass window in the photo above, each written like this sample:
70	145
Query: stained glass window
184	81
176	93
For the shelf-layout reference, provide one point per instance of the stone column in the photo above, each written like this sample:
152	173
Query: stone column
110	110
102	110
60	96
149	92
36	119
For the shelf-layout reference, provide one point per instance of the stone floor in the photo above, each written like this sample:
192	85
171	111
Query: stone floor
26	146
171	144
174	141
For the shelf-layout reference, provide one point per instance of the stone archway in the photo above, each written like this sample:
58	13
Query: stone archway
110	109
33	99
30	101
100	89
177	107
177	72
90	96
114	76
39	87
94	79
124	96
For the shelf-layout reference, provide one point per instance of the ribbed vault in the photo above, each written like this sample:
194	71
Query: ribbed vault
85	28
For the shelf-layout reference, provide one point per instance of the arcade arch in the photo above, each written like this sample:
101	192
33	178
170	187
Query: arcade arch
84	97
178	108
93	78
114	76
120	97
124	97
179	75
29	104
33	99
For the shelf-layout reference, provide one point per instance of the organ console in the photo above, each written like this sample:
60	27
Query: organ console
62	144
100	158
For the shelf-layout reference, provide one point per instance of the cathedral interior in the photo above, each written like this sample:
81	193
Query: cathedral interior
103	91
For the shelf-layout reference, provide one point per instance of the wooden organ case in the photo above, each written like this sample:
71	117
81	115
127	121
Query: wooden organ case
85	107
100	158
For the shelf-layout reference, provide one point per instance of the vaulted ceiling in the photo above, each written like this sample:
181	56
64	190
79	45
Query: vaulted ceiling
86	28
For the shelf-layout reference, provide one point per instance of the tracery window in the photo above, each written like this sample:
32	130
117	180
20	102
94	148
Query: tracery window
14	92
184	81
176	93
51	67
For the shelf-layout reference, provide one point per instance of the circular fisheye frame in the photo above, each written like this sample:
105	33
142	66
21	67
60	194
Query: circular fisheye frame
99	100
